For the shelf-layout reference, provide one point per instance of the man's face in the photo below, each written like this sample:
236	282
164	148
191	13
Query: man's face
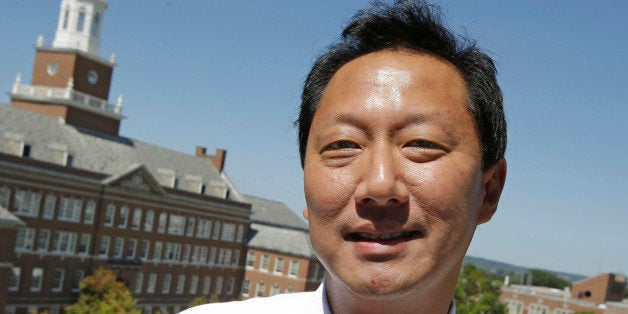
393	178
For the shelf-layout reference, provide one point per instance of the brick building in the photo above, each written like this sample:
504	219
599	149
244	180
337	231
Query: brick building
280	258
75	195
599	294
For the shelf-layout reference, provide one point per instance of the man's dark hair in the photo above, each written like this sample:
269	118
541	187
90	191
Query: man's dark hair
414	26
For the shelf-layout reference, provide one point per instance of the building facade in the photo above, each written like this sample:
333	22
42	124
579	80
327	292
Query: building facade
601	294
280	258
75	195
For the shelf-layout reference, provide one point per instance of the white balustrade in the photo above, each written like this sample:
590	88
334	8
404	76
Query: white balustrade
66	94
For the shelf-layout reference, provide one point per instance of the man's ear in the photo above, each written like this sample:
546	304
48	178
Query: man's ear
494	179
305	214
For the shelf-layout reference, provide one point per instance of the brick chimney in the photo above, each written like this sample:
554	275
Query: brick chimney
218	159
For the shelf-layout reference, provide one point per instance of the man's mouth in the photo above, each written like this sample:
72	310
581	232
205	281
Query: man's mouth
383	237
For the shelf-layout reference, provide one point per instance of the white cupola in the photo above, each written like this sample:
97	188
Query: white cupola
80	23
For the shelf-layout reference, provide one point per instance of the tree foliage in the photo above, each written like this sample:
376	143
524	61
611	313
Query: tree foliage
546	279
478	292
103	293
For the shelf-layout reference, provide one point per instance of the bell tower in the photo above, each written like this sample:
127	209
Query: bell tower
70	79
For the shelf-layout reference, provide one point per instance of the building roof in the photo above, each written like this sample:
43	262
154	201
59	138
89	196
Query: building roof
111	155
8	220
274	213
281	240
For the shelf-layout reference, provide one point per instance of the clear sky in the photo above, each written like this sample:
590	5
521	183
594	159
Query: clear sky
228	74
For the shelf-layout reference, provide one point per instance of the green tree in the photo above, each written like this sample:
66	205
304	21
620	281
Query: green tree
103	293
546	279
478	292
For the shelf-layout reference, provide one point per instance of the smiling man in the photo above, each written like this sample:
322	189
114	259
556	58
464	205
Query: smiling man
402	137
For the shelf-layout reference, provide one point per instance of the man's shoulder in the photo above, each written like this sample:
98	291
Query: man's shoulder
281	303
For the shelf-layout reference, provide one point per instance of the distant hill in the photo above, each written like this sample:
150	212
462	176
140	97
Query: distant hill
505	268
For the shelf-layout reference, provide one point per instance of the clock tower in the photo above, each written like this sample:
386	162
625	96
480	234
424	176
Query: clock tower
70	79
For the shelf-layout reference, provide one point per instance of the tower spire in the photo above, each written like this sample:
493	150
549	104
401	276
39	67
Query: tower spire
79	26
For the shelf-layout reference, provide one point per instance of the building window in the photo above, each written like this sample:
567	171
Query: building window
14	278
190	230
149	220
212	256
230	285
180	284
259	292
130	254
78	277
5	196
66	16
279	265
250	259
25	239
152	282
203	229
537	309
216	234
124	217
104	246
246	287
137	219
173	252
95	24
110	215
70	209
118	245
218	289
264	263
185	256
84	243
80	24
294	268
43	239
194	284
57	279
144	249
196	255
163	218
49	206
165	177
90	211
64	242
203	258
239	234
176	224
514	306
138	283
165	288
157	250
289	289
15	146
226	259
57	154
274	290
236	257
27	203
37	278
228	232
207	284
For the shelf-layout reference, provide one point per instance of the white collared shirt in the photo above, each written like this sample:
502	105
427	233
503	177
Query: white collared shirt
314	302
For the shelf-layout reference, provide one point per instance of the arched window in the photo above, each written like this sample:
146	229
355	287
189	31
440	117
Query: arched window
95	24
80	24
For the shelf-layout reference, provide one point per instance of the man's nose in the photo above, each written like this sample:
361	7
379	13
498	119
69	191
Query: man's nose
381	182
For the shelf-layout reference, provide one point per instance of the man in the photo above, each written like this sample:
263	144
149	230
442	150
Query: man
402	137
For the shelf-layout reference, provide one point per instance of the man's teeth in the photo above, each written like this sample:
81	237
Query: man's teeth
386	236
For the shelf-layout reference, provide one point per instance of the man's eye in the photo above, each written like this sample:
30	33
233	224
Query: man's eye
342	145
423	144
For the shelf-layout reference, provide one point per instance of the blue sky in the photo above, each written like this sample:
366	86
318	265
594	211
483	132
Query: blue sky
227	74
